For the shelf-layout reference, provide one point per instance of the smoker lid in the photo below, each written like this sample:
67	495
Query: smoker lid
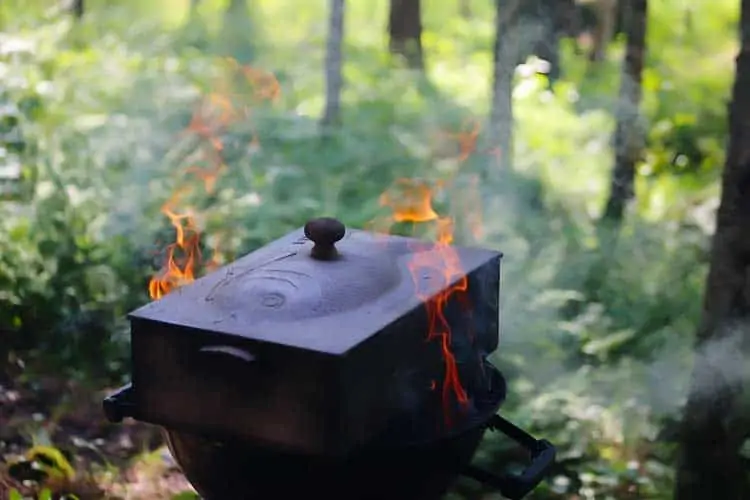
322	287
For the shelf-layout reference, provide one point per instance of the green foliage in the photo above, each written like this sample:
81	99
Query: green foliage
43	465
186	495
101	109
45	494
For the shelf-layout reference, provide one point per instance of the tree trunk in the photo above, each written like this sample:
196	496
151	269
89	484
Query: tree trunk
537	29
628	138
194	31
715	425
606	24
333	77
78	9
235	14
238	32
504	56
550	16
194	7
464	7
405	31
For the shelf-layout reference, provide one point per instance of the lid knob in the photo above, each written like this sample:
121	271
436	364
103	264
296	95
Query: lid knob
324	232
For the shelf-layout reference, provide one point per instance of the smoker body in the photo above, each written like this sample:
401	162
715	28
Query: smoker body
336	363
312	356
390	466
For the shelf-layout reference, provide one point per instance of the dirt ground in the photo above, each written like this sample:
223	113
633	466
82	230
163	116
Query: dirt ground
46	422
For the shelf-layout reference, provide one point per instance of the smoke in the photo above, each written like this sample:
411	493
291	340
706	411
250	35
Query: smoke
610	370
721	363
540	214
622	361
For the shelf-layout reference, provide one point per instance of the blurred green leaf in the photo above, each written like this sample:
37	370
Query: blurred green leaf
186	495
612	340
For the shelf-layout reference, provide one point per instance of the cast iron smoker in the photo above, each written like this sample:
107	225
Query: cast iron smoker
304	369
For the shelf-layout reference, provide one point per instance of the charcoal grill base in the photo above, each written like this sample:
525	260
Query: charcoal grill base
400	464
224	470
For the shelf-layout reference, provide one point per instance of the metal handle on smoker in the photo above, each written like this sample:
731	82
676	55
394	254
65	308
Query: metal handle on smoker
119	404
223	365
222	360
227	353
515	487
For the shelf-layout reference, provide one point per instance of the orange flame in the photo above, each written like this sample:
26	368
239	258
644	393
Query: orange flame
182	255
214	115
413	203
463	143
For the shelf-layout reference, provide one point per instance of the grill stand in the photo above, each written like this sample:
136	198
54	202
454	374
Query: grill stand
120	405
515	487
